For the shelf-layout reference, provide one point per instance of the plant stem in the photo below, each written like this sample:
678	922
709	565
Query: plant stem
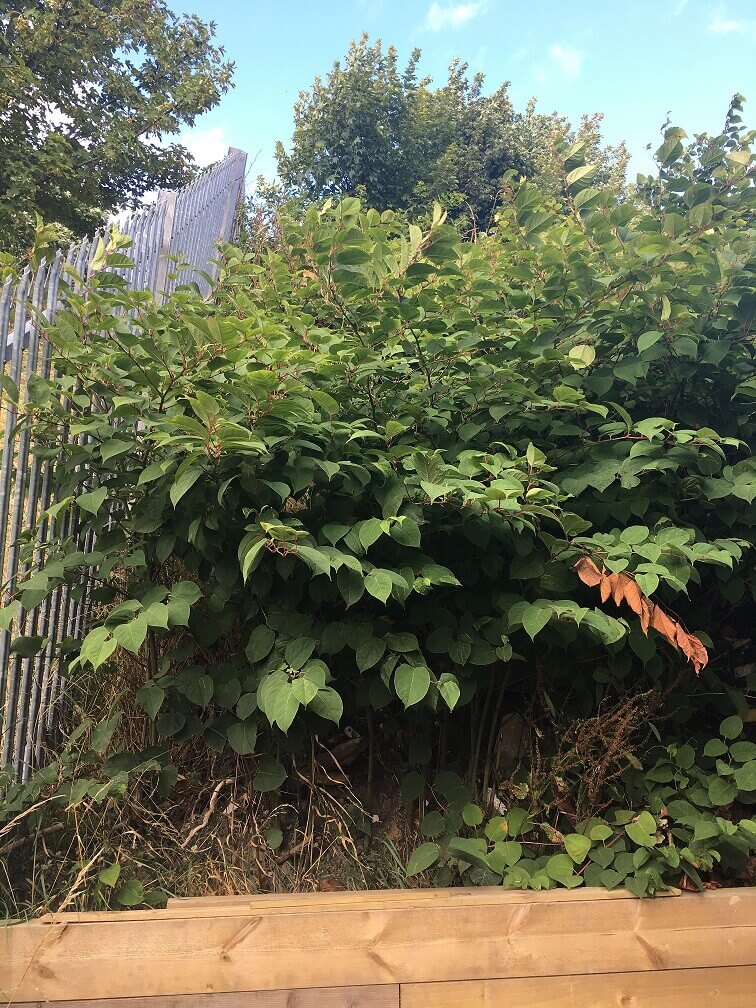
492	735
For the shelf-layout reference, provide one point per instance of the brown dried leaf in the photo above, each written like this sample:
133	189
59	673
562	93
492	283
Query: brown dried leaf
692	648
624	588
588	572
666	626
634	596
645	614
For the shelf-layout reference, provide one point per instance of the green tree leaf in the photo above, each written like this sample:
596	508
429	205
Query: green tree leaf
379	583
270	774
422	858
411	683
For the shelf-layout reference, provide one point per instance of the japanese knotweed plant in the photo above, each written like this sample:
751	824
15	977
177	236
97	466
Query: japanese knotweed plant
386	472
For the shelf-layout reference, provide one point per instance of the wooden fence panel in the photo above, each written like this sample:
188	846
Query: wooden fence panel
188	224
733	987
385	996
449	938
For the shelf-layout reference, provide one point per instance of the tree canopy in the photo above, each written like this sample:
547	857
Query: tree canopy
88	91
385	134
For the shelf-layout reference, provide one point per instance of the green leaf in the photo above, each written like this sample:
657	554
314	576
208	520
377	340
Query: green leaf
516	820
560	868
370	531
602	856
411	683
110	875
187	591
282	705
379	584
242	737
226	693
600	832
318	562
27	647
304	690
370	653
270	774
150	699
731	727
298	651
10	388
579	173
273	837
643	830
472	815
422	858
433	825
448	688
92	501
411	786
582	355
131	635
110	449
745	776
505	854
647	339
131	893
102	733
634	535
715	747
743	752
98	646
8	614
351	585
251	552
333	532
577	846
534	619
327	704
638	884
199	690
184	481
247	705
260	644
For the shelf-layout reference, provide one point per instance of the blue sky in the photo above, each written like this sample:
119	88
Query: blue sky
633	60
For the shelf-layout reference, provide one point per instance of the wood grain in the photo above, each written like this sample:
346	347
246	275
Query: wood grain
733	987
442	941
404	896
386	996
233	906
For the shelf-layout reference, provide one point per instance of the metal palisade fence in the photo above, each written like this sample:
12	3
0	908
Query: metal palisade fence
188	225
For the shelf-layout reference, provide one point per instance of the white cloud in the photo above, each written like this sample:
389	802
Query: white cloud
680	6
452	15
568	60
725	26
206	145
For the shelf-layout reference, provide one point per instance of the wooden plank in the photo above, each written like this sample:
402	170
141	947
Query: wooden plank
725	987
130	958
351	900
384	996
382	897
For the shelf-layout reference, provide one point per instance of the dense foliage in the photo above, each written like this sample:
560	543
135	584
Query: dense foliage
430	489
90	90
383	133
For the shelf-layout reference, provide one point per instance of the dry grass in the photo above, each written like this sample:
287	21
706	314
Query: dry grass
214	835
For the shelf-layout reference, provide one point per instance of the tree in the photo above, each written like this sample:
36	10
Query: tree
386	135
89	89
